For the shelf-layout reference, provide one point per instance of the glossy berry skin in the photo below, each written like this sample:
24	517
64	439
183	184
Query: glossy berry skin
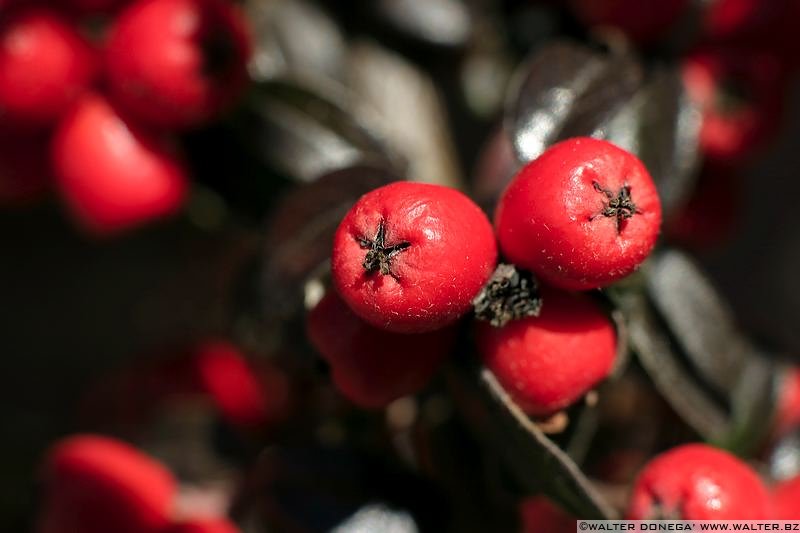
548	362
538	514
409	257
582	215
45	65
96	484
644	21
372	367
203	526
113	175
740	93
698	482
177	63
786	500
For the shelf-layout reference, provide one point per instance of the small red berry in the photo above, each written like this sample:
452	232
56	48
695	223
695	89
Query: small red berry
113	175
238	390
548	362
740	93
96	484
786	500
409	257
538	514
45	65
644	21
178	63
203	526
581	216
787	415
698	482
370	366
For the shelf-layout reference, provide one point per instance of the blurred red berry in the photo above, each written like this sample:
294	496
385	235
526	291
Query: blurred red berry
45	66
539	515
698	482
582	215
787	416
740	93
113	175
786	500
548	362
409	257
96	484
372	367
177	63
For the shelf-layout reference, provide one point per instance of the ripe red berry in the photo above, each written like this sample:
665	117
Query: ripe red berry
96	484
786	500
538	514
644	21
740	93
177	63
581	216
787	411
45	65
698	482
113	175
203	526
548	362
237	388
372	367
409	257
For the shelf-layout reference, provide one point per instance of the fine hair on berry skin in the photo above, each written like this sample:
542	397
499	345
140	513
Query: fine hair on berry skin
410	257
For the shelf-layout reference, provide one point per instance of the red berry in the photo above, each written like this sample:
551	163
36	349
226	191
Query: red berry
698	482
96	484
177	63
203	526
24	170
740	93
45	65
372	367
787	416
548	362
236	387
539	514
409	257
113	175
581	216
643	21
786	500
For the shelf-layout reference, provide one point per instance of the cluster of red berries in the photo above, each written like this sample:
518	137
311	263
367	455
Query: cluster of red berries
96	484
690	482
106	109
409	260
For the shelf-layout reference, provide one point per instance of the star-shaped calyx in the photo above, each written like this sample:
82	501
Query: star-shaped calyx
379	254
